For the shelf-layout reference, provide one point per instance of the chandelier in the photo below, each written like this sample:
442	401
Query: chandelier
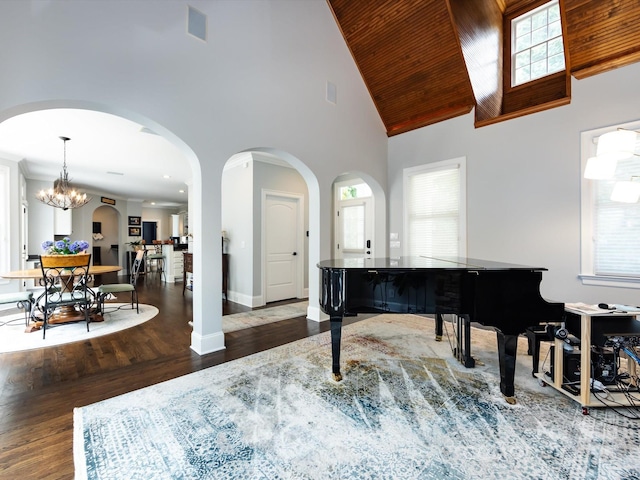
619	144
63	195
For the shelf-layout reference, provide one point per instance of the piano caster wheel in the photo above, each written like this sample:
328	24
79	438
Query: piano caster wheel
510	400
438	338
585	411
337	377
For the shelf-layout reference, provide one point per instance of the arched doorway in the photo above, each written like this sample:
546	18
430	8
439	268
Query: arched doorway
275	262
105	236
127	204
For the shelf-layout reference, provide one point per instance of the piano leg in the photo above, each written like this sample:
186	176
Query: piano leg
507	347
336	336
463	340
439	323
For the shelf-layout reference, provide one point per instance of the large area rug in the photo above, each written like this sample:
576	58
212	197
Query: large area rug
254	318
405	410
118	316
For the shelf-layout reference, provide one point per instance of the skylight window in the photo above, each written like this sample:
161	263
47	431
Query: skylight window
536	44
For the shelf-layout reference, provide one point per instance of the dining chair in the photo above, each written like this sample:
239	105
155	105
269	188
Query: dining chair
105	290
23	300
66	297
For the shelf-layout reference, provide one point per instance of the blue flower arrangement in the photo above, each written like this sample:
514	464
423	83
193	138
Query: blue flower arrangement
64	247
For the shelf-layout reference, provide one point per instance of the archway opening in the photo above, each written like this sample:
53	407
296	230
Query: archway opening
269	202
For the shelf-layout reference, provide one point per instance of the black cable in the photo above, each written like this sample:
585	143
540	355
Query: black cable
616	408
121	307
605	397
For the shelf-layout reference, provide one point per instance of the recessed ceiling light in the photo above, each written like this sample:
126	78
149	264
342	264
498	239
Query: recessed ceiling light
153	203
181	191
166	176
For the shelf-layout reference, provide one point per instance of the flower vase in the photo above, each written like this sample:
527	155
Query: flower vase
74	260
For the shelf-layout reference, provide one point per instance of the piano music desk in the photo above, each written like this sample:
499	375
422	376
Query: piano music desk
589	327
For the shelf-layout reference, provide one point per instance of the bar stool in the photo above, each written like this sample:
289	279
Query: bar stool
155	261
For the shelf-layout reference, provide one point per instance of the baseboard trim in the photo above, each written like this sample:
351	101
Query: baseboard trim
246	300
208	343
317	315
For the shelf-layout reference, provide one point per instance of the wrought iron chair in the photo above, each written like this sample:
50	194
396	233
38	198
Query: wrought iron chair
23	300
67	297
104	291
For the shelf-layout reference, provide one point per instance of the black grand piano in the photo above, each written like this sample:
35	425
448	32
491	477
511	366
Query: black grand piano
501	295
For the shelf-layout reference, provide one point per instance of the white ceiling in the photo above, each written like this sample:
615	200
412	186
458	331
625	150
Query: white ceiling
105	154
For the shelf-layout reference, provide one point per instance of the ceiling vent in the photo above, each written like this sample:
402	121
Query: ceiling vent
197	24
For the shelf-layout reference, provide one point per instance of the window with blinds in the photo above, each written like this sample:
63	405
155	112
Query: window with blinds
353	227
610	230
435	210
616	233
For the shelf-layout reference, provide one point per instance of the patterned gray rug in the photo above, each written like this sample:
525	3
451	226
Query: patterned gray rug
405	410
254	318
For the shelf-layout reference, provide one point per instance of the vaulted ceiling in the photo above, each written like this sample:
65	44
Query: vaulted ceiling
425	61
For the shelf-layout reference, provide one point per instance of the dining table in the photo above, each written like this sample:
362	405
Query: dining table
36	273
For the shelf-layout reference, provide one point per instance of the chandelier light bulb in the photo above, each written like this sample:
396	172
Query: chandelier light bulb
616	145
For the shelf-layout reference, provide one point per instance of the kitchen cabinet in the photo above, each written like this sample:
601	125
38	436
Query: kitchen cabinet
173	263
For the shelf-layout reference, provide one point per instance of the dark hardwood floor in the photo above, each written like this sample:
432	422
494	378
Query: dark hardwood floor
41	387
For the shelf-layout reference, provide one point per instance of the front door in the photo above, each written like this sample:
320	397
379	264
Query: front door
354	229
282	234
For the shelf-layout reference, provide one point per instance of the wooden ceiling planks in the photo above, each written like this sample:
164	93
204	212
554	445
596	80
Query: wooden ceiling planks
409	57
602	35
422	59
479	26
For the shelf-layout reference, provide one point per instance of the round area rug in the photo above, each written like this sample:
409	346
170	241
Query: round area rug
118	316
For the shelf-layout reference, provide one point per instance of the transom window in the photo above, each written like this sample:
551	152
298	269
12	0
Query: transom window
536	44
360	190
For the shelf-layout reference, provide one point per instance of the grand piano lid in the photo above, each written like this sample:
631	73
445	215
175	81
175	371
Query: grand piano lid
422	262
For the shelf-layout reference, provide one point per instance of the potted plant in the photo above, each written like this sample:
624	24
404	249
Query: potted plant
64	253
137	245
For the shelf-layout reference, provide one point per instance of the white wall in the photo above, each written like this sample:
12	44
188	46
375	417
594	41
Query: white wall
162	217
523	181
237	221
258	83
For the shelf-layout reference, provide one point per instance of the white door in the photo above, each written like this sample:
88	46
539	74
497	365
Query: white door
24	236
354	229
283	257
24	241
